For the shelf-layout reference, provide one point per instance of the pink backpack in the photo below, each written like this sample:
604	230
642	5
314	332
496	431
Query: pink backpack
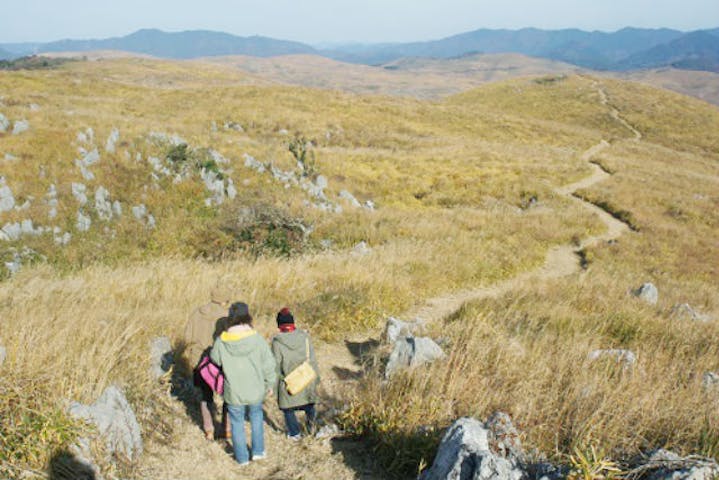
212	374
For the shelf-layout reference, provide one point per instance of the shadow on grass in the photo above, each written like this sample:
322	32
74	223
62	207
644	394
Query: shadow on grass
66	466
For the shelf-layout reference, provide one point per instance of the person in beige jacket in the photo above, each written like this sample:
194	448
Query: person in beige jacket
205	324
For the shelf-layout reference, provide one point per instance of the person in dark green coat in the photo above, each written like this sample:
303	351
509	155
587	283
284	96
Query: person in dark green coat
291	347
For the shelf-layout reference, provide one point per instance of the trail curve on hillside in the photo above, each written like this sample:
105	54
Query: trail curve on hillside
561	260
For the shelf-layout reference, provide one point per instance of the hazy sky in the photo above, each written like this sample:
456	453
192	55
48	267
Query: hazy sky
316	21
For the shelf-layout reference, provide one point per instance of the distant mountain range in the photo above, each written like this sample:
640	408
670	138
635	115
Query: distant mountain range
623	50
179	45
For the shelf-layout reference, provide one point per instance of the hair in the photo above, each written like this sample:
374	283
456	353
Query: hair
239	315
245	319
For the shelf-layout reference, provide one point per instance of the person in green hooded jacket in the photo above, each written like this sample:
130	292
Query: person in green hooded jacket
291	347
249	369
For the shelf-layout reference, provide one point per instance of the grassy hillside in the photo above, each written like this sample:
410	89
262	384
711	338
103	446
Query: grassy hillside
451	182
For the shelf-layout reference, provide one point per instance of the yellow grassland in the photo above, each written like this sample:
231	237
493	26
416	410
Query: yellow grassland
447	177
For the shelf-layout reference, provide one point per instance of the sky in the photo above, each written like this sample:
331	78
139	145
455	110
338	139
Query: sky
340	21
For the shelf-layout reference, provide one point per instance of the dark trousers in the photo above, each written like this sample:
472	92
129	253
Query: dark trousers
293	426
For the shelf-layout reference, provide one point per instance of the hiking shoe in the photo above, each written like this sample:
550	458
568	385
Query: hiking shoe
261	456
210	436
294	438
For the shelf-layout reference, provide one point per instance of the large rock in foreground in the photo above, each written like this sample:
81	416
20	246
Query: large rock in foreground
115	421
465	454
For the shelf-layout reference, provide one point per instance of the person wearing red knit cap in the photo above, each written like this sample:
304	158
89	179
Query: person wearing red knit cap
291	347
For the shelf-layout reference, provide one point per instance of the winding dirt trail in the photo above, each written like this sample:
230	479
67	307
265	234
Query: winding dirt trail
562	260
193	457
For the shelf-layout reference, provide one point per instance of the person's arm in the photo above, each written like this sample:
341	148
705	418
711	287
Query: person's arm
277	354
269	367
215	353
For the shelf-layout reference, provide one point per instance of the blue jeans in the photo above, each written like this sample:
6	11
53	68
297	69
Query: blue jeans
239	442
293	426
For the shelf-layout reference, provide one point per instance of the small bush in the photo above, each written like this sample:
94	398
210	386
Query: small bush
32	426
178	155
258	230
301	149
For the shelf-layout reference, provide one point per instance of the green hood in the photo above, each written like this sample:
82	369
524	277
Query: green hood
248	366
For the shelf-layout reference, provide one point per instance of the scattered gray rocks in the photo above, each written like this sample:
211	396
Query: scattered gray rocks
173	139
395	329
158	166
106	210
141	214
349	198
625	357
254	164
666	465
10	232
61	239
3	354
648	293
411	352
34	107
465	454
684	311
79	191
361	249
88	159
9	157
215	185
233	126
112	140
231	190
51	200
87	137
83	222
13	231
115	421
710	381
161	356
4	123
20	126
315	188
7	200
27	228
20	257
14	265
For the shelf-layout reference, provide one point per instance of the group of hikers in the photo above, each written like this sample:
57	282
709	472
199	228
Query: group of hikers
220	338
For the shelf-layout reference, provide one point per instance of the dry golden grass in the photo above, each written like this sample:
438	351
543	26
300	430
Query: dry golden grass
526	351
448	177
